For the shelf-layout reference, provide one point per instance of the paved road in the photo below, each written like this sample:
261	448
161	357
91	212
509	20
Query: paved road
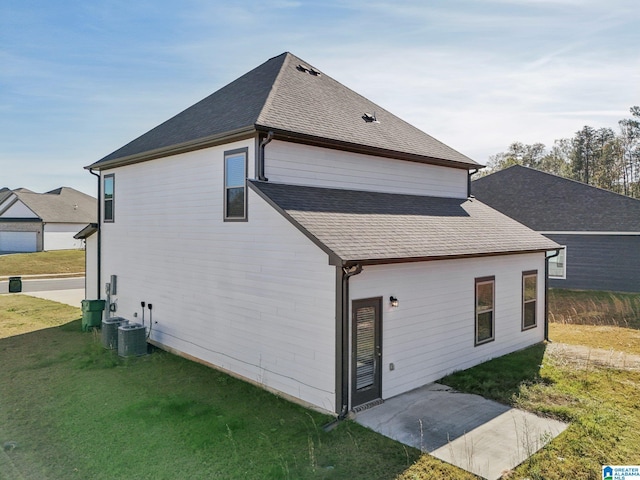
45	285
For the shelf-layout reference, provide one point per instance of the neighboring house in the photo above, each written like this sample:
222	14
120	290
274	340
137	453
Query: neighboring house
291	232
599	229
33	222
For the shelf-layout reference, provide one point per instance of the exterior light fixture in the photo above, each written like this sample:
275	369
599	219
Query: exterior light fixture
394	301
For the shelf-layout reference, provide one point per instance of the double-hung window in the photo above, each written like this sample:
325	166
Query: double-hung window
485	310
529	299
235	191
108	191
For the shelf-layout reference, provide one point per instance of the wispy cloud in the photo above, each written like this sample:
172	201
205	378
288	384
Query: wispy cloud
81	79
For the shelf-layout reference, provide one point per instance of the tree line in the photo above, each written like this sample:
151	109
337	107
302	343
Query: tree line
599	157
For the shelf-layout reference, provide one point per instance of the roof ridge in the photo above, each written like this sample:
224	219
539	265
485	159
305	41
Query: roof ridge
274	86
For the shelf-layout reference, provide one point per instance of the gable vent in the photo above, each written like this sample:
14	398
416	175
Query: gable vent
370	118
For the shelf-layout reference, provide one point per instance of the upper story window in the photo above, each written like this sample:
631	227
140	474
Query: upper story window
529	299
235	191
558	265
484	310
108	195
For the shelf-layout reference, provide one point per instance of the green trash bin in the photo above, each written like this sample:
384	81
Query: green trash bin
92	313
15	284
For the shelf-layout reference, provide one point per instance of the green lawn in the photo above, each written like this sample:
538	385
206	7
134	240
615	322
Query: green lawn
53	262
601	403
79	411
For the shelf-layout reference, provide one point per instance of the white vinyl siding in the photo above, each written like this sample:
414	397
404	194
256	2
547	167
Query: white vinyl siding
323	167
17	210
431	333
255	298
91	288
59	236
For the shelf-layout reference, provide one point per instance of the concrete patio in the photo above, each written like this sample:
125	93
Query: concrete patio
478	435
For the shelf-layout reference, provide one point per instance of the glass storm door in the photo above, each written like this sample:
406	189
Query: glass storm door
366	351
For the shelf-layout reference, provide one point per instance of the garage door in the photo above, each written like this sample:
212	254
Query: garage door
17	241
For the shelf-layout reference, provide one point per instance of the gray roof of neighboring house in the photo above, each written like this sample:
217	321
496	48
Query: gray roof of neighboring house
549	203
63	205
373	227
4	193
280	96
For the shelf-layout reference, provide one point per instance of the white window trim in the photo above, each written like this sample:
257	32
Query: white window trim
564	270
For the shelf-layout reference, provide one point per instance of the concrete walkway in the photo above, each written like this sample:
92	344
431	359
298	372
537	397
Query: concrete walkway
478	435
71	297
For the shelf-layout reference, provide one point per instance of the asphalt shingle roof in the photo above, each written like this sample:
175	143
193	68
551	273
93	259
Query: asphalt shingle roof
379	227
549	203
63	205
280	96
4	193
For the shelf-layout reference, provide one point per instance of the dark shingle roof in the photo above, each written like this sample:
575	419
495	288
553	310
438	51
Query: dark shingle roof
63	205
549	203
382	227
290	101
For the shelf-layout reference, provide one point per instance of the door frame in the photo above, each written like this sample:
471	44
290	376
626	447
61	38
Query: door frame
375	391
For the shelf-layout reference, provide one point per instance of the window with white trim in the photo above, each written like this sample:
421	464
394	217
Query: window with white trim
558	265
484	310
529	299
235	191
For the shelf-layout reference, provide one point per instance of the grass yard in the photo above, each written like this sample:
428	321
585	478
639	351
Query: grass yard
53	262
79	411
601	403
76	410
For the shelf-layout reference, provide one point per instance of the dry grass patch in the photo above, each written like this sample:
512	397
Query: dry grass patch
41	263
21	314
595	336
578	307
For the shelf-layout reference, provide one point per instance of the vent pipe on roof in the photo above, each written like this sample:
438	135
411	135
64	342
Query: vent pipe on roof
309	70
260	166
370	118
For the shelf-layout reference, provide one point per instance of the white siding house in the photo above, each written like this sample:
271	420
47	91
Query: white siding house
429	334
33	222
269	244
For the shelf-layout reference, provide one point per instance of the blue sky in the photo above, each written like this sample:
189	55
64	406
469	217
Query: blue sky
79	79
